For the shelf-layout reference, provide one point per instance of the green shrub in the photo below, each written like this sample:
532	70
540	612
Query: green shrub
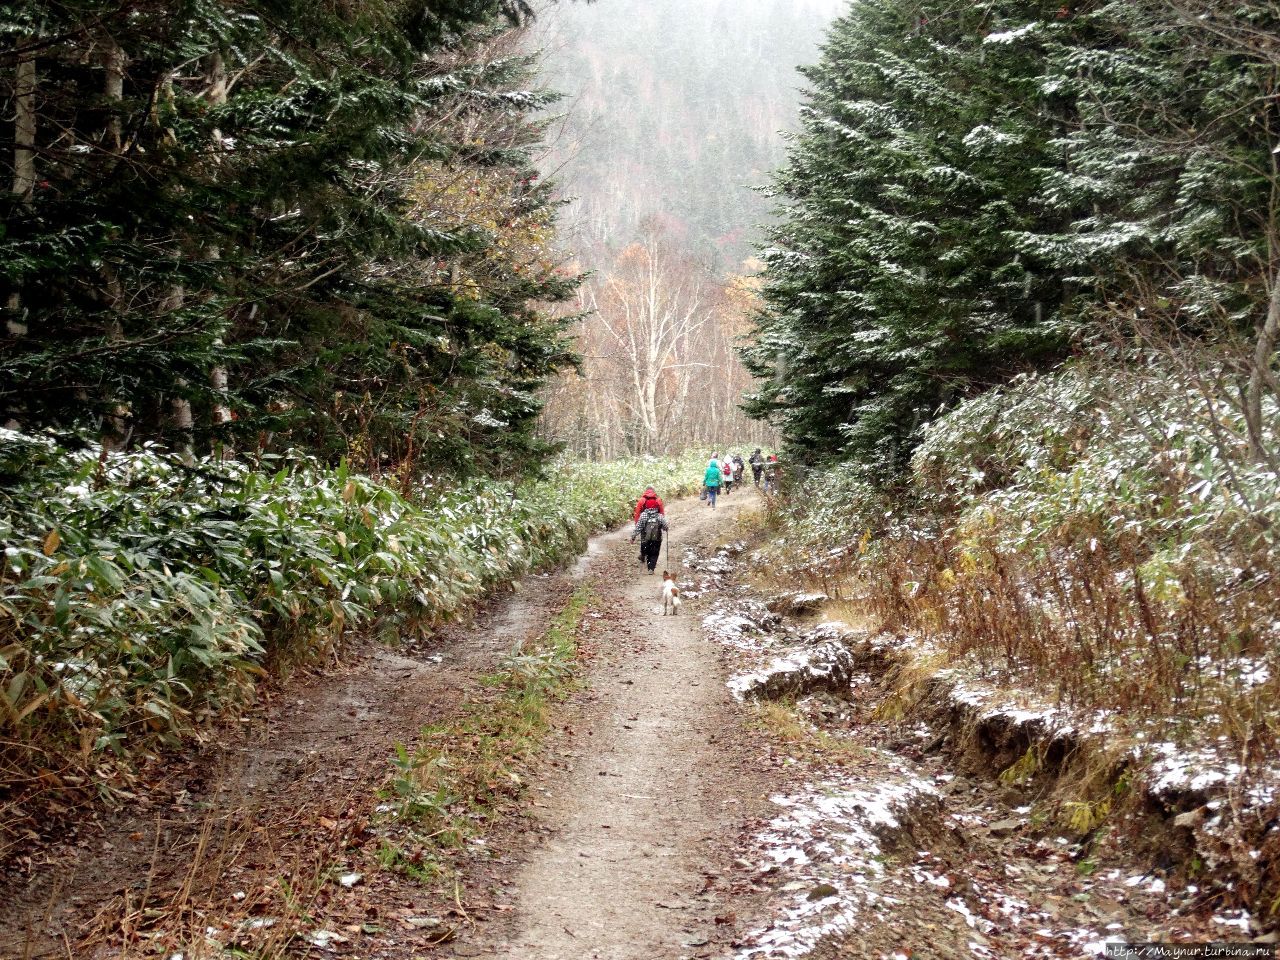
1102	534
140	595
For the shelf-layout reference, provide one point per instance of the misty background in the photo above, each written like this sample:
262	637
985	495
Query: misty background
673	111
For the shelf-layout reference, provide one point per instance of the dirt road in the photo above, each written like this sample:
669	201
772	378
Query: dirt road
658	784
652	789
659	822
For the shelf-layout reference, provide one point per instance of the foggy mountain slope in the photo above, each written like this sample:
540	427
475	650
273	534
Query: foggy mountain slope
672	112
674	109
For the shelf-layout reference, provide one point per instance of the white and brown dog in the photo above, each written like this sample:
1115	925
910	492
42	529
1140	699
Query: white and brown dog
670	595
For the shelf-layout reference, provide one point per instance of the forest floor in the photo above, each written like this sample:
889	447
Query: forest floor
662	818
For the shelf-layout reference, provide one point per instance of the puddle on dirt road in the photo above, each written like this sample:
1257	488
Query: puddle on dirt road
596	548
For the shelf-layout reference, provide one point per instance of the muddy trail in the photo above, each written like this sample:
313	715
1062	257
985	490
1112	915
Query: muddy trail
273	805
270	799
636	830
728	783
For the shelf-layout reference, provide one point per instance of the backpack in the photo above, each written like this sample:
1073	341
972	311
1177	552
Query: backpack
651	526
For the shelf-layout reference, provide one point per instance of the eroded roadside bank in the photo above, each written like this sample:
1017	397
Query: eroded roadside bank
914	819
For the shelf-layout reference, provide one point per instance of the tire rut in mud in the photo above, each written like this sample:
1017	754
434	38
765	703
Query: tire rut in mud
214	831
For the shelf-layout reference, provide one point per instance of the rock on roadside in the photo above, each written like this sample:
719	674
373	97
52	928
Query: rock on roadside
796	604
828	668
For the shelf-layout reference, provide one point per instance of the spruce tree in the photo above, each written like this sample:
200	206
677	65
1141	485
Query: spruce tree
894	283
978	187
218	243
1172	169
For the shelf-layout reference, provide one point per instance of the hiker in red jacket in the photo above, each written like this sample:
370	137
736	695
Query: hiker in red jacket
648	501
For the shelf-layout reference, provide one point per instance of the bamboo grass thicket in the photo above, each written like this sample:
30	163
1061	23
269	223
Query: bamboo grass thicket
142	594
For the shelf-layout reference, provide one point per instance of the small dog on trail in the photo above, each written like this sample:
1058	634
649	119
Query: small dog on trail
670	595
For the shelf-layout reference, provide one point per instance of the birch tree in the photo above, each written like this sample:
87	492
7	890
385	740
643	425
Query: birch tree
658	340
653	308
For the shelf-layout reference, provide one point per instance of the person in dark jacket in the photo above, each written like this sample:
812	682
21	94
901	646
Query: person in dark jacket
649	500
650	526
757	465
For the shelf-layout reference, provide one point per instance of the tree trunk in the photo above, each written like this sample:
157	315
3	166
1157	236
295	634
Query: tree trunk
216	93
24	164
24	130
180	406
113	90
115	427
218	380
183	422
1261	379
217	97
24	181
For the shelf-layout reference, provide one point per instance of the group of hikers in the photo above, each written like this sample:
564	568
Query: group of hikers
725	473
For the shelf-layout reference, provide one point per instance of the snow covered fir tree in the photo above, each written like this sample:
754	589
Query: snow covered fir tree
975	192
1021	311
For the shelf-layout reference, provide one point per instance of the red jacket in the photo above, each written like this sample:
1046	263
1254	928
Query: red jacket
647	501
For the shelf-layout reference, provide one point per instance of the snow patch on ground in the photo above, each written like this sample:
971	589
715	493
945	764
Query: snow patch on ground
828	667
1173	769
824	848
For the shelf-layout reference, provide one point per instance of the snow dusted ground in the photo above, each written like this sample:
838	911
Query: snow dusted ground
1221	801
889	847
1173	769
825	847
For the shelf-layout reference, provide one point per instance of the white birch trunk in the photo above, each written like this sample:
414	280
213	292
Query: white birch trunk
24	163
1261	377
179	406
113	89
115	429
24	129
217	97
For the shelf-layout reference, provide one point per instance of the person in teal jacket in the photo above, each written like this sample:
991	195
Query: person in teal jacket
712	480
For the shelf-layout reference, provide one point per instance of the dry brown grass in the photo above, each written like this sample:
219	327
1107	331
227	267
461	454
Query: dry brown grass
249	883
783	722
1093	631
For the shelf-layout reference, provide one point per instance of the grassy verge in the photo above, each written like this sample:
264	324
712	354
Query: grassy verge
472	767
461	774
141	597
